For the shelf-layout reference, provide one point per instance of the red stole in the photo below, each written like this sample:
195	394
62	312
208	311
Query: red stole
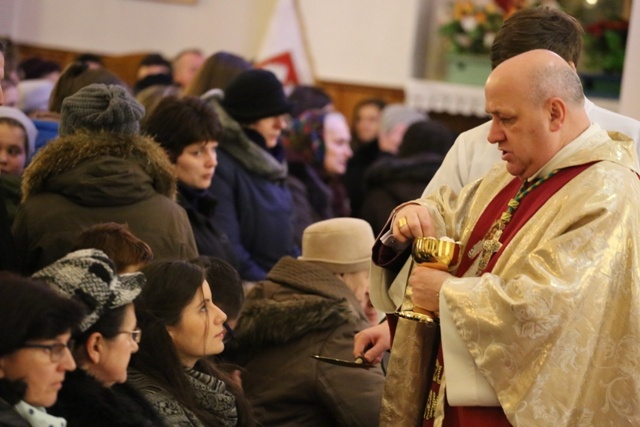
464	416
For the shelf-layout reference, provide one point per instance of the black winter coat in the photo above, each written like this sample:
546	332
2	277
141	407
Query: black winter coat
83	401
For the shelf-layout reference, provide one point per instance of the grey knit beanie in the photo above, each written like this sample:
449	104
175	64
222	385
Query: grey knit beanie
101	107
89	276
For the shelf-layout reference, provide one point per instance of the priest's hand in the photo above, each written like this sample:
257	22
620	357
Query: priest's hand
426	283
411	221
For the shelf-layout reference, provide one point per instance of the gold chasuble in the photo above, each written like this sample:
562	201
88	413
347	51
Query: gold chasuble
553	325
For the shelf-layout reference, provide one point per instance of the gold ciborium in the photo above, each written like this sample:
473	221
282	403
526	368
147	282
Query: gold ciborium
431	252
411	369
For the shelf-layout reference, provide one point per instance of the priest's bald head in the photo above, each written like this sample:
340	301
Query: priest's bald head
536	104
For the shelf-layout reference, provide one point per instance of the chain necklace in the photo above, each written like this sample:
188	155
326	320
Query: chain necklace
490	244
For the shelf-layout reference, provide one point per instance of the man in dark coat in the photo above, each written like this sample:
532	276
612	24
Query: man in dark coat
308	306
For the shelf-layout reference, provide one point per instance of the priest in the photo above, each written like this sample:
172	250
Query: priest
540	322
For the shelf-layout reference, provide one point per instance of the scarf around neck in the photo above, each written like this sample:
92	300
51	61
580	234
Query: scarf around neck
38	417
212	394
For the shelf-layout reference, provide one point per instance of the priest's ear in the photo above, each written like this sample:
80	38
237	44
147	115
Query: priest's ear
557	113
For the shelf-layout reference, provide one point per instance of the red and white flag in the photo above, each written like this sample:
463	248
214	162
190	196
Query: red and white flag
283	50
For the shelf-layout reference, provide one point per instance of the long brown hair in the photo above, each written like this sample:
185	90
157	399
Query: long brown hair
216	72
171	286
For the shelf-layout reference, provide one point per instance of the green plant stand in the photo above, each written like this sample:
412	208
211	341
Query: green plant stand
601	85
468	69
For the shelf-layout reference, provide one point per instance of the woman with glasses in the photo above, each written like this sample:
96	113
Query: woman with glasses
96	394
182	326
35	333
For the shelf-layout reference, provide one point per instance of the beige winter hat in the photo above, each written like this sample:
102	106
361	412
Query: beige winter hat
341	245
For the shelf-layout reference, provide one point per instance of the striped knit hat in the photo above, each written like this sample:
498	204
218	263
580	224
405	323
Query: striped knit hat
89	277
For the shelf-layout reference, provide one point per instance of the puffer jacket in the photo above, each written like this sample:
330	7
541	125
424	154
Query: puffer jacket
83	179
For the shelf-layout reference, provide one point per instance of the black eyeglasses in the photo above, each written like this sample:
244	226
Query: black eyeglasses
136	335
56	351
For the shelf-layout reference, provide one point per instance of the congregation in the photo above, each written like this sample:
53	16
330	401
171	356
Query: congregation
181	214
185	251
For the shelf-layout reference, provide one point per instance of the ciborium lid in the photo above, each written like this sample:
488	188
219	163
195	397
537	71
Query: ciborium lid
432	250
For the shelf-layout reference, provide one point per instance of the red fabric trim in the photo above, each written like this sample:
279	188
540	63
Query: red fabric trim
477	416
474	416
529	205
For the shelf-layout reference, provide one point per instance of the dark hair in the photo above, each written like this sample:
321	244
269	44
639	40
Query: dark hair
89	57
306	98
538	28
225	284
428	136
118	242
216	72
178	122
171	286
30	310
36	68
155	59
376	102
108	325
151	96
76	76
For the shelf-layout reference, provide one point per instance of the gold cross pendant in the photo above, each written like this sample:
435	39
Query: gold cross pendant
489	247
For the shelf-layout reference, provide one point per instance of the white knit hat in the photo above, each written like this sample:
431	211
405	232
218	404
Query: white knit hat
341	245
34	94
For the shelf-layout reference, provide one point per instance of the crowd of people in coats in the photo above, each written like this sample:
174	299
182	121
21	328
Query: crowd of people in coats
174	252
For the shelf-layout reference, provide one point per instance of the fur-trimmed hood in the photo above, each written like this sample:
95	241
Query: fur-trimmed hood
101	169
299	298
235	142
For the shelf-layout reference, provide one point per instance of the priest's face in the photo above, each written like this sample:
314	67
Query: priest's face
520	127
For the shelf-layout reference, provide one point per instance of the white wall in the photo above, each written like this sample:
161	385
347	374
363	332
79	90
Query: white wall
361	41
358	41
366	41
125	26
